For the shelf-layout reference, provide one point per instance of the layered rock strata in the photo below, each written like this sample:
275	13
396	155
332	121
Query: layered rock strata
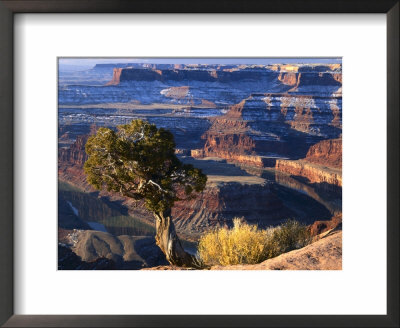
292	75
230	192
326	152
222	201
313	172
264	127
75	154
322	164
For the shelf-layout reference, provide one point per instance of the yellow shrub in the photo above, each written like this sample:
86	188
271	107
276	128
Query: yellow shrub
246	244
243	244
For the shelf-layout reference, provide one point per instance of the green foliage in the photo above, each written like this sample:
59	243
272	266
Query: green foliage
246	244
291	235
138	160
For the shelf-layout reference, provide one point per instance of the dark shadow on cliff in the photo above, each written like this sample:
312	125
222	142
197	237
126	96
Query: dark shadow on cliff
302	207
217	167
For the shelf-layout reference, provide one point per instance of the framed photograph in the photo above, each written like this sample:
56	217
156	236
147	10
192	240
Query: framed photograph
213	164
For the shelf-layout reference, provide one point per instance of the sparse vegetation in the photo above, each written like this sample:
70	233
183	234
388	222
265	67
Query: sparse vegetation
291	235
246	244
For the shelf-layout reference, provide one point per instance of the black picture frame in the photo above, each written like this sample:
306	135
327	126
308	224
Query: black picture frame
10	7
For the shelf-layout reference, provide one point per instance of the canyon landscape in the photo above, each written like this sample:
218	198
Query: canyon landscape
265	133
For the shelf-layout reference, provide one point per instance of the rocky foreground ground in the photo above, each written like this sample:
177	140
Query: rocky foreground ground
100	250
94	250
324	254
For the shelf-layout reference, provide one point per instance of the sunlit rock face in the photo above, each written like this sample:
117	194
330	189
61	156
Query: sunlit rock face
313	173
326	152
322	164
225	110
273	125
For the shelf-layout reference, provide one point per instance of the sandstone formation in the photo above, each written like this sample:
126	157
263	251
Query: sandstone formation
319	227
259	116
324	254
285	68
281	110
134	74
75	154
223	201
126	252
116	76
230	192
322	164
326	152
315	173
251	160
288	74
263	127
337	77
299	77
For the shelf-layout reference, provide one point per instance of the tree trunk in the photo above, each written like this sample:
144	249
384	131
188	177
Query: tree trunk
168	241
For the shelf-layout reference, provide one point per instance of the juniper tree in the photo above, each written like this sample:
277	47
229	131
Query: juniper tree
138	161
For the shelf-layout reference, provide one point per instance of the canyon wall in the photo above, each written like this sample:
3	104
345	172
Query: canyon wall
292	75
267	126
322	164
251	110
283	116
313	172
326	152
135	74
250	160
226	196
220	202
116	76
75	154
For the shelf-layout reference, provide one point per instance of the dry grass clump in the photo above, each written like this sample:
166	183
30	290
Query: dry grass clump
291	235
246	244
241	244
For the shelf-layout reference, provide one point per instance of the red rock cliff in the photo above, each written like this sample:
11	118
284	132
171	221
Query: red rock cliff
326	152
315	173
227	138
322	164
337	77
75	154
116	77
292	79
